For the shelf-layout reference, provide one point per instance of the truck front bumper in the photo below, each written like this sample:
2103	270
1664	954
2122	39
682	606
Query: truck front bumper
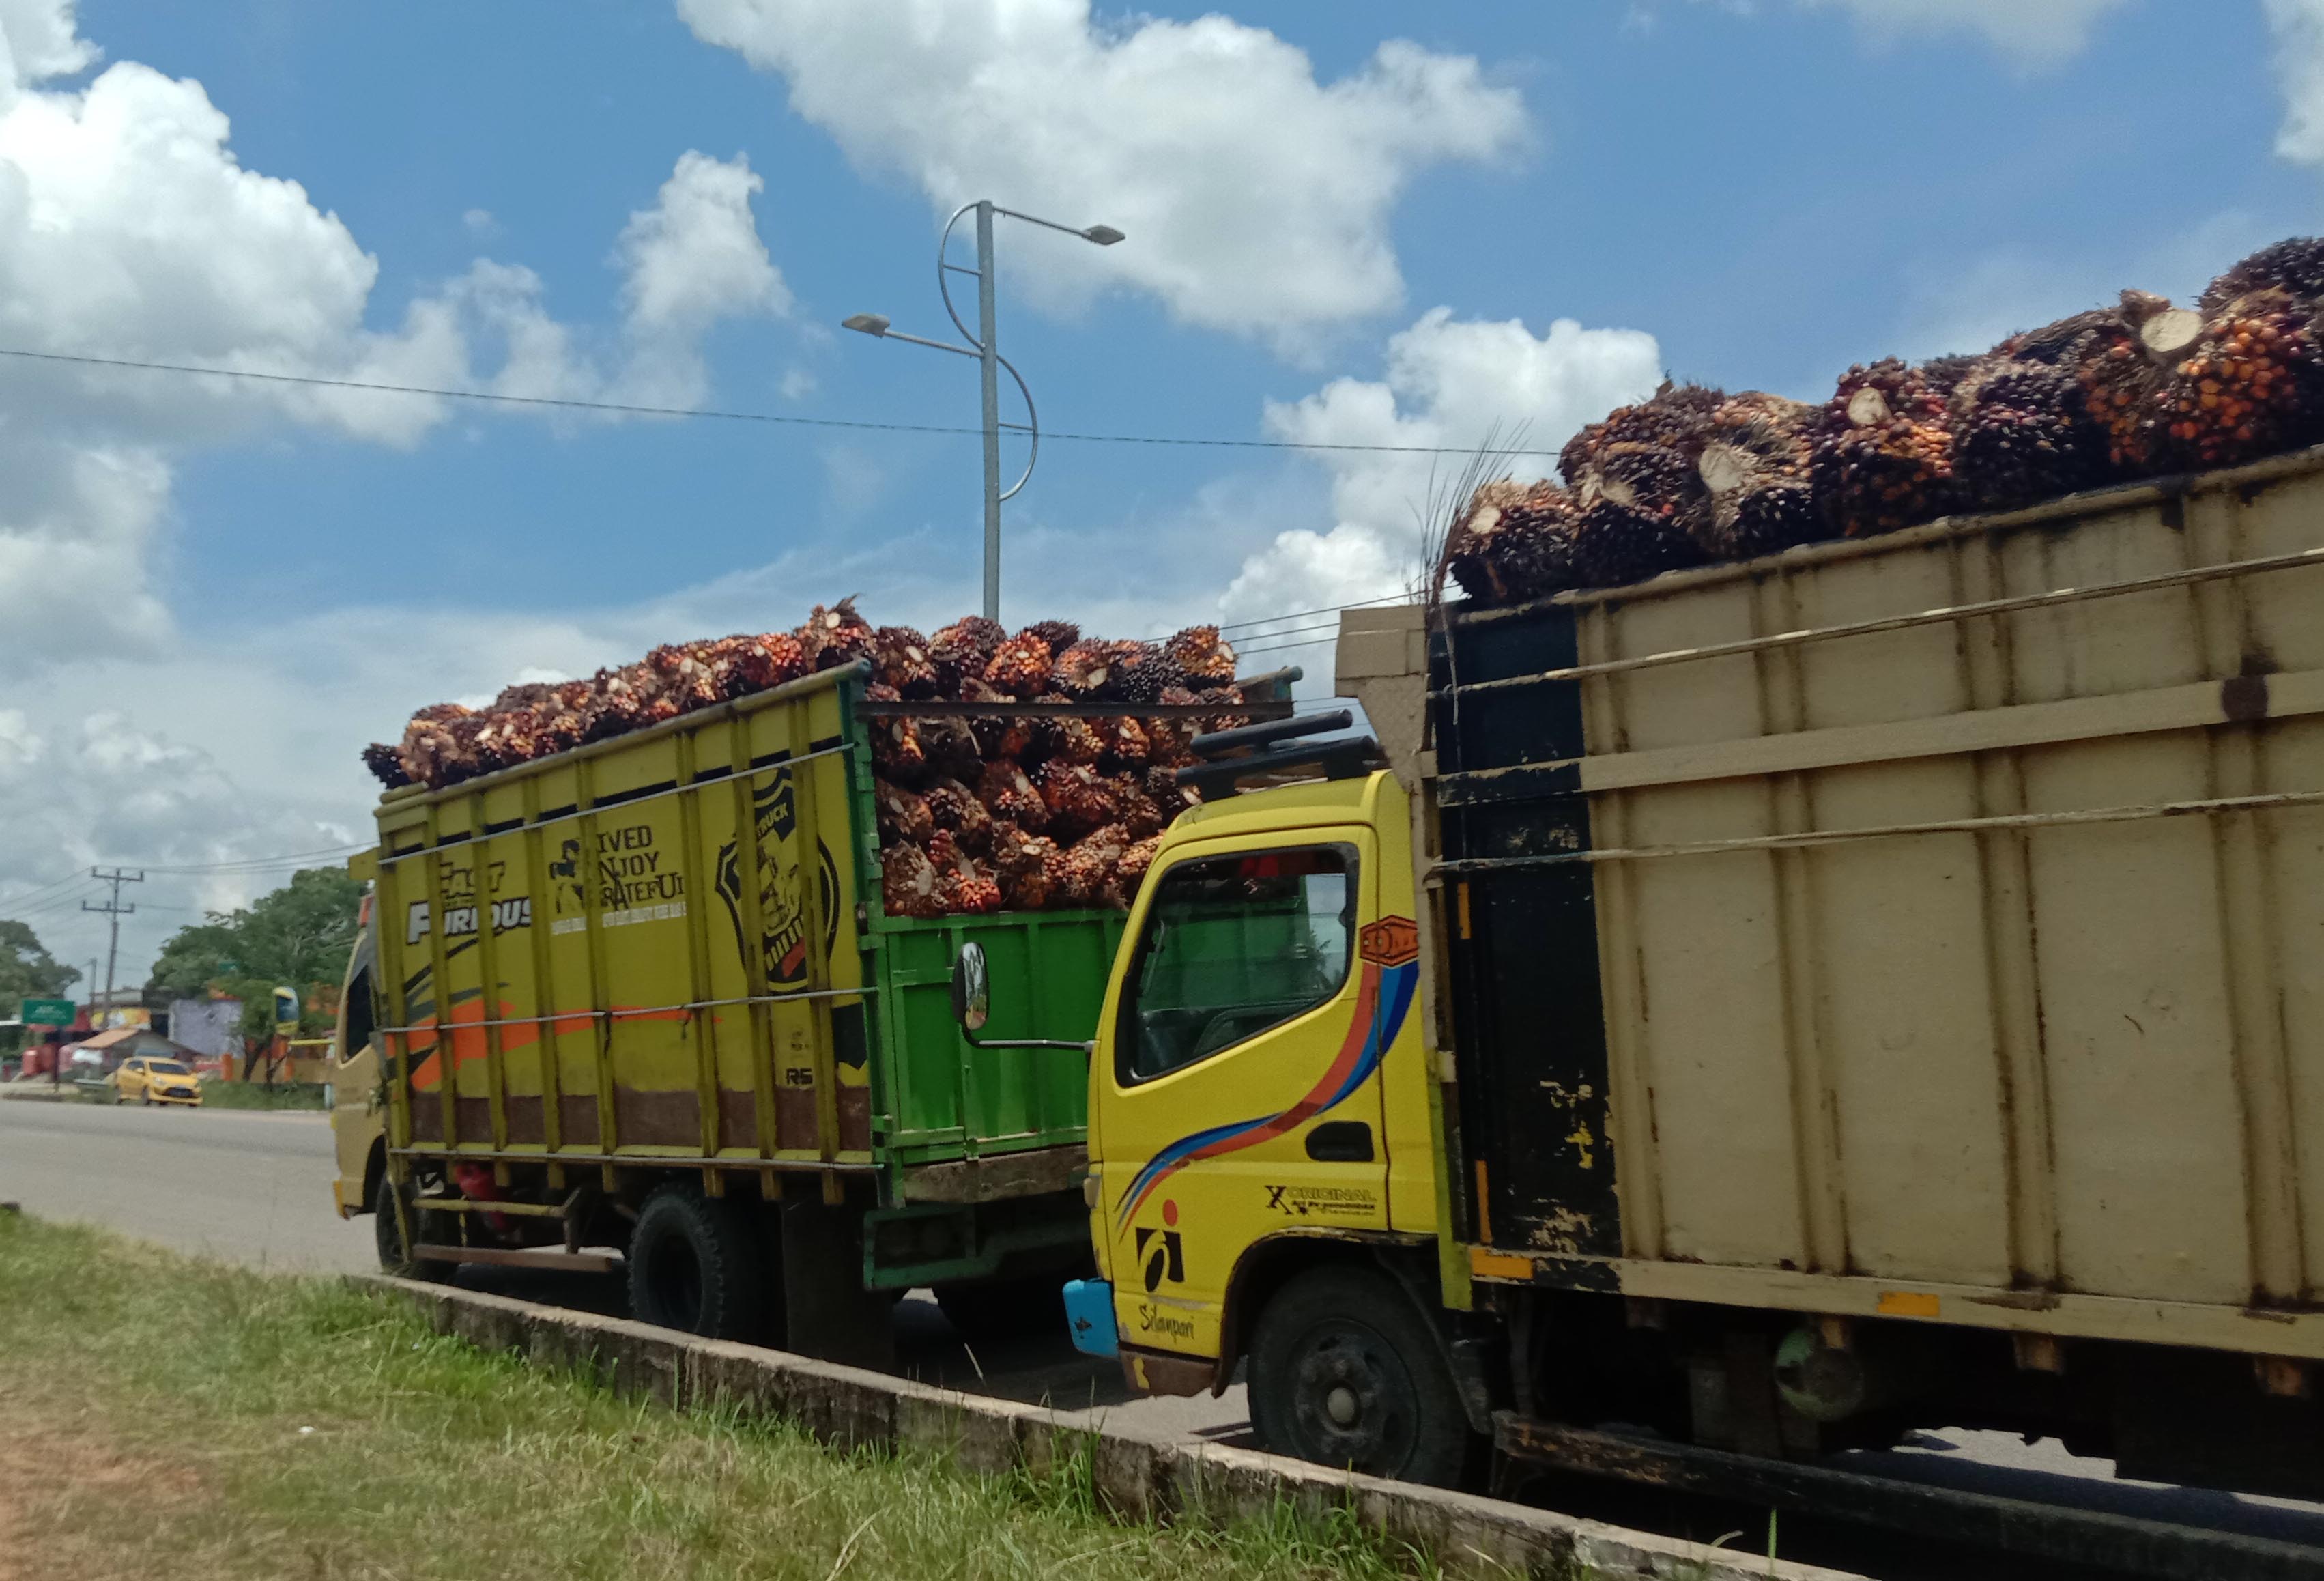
1089	1313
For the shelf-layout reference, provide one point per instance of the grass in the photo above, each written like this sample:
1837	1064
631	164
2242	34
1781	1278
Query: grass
242	1094
217	1423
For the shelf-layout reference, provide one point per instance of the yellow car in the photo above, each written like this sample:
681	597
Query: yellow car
156	1081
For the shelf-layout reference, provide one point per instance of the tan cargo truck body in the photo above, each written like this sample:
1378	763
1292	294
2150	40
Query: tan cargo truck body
1928	927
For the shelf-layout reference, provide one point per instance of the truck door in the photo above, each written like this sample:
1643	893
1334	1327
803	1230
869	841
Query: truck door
1243	1098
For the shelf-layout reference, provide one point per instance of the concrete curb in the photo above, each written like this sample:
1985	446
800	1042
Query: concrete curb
1138	1479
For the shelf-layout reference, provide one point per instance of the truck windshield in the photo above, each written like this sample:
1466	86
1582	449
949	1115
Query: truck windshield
1232	946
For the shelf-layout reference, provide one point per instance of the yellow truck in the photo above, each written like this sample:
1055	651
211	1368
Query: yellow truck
1775	1007
638	1005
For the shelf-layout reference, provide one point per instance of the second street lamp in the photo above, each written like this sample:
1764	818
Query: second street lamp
980	343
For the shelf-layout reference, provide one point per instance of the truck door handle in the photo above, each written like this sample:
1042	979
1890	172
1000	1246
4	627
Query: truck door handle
1340	1141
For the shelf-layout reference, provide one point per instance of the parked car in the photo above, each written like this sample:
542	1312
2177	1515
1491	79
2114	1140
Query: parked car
156	1081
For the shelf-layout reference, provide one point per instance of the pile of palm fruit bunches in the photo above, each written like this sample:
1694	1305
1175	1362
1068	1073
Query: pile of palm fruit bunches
2136	390
975	814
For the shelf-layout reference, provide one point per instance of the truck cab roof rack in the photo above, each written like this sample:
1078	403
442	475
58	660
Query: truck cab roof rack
1273	750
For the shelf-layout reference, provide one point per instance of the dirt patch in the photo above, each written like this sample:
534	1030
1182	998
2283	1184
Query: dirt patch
73	1503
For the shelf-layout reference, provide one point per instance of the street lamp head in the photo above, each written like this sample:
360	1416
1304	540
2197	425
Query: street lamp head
1104	235
866	323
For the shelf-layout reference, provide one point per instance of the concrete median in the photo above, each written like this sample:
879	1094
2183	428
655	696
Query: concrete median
1138	1478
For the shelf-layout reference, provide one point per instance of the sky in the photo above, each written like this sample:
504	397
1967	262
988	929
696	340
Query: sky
1358	225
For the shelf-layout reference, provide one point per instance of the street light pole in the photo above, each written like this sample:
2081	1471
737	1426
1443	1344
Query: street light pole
984	345
989	371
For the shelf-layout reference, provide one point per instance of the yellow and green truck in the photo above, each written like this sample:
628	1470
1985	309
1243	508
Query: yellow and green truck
1765	1010
640	1001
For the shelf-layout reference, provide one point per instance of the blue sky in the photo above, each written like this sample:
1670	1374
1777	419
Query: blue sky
1768	191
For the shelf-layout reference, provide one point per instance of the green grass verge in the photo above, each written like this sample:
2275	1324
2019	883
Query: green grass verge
242	1094
213	1422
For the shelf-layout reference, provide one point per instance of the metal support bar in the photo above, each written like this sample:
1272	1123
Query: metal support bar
509	1257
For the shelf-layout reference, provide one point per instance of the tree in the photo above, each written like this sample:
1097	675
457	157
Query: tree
298	937
27	971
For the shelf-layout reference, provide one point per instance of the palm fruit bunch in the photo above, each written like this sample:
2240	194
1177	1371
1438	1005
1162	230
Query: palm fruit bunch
2022	433
385	760
900	659
1752	456
898	752
953	807
1060	634
1086	670
1883	453
2252	384
1019	667
908	883
1027	866
1670	420
685	673
1076	798
1201	654
1140	671
962	887
963	649
1136	858
2294	266
746	664
836	636
1513	542
904	816
1007	793
1123	743
2118	355
1076	741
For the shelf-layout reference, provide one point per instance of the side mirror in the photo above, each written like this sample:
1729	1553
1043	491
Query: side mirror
971	989
971	1004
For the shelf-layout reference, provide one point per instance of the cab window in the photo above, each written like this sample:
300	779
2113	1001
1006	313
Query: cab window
359	1019
1232	946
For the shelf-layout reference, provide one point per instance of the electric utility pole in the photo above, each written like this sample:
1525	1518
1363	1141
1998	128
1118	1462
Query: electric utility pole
113	911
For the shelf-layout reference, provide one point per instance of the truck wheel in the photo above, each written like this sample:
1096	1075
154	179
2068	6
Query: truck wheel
1002	1309
699	1264
387	1235
1344	1372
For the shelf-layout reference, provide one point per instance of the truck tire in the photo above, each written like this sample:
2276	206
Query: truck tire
387	1236
699	1264
1345	1371
1004	1309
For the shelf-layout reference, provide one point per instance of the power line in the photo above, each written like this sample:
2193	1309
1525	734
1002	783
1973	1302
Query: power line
633	409
1327	609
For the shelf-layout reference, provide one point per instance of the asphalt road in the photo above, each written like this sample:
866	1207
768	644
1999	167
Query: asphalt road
255	1188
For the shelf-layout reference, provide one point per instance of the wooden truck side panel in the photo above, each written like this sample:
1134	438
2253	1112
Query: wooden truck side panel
1955	966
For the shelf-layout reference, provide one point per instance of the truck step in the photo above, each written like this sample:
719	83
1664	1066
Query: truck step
513	1257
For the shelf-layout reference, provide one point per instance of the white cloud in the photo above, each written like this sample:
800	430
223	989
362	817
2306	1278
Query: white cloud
480	221
130	229
1462	383
1256	198
2031	32
2298	29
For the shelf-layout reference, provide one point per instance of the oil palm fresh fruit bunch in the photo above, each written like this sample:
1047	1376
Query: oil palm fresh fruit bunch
898	752
1085	669
1077	741
1077	798
1883	452
1007	793
2120	355
1515	541
686	673
1130	872
1222	697
1020	666
1470	548
2294	266
1752	459
1670	420
1615	545
1135	810
962	887
1201	654
1060	634
1123	744
1092	868
2023	432
1170	798
755	664
907	882
1024	864
385	760
899	657
1141	670
961	650
954	807
613	707
836	636
903	816
2252	385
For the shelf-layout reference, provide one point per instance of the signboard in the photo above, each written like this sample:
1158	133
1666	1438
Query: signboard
52	1012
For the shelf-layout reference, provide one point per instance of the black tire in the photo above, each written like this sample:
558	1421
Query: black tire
1346	1373
702	1265
1006	1309
387	1236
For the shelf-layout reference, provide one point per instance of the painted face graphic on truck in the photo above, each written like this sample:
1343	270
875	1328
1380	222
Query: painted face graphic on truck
781	893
